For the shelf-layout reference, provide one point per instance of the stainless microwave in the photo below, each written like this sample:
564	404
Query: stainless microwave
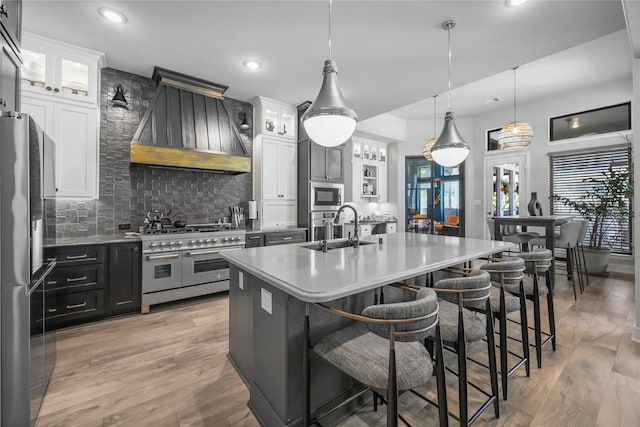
325	196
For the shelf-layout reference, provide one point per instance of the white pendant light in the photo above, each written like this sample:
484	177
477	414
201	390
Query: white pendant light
328	121
426	150
450	150
515	134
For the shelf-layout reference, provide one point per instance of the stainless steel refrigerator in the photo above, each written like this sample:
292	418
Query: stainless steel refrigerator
27	347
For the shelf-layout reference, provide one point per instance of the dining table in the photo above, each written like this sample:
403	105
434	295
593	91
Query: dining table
546	221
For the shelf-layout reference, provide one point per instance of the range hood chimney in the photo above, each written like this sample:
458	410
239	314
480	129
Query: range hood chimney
188	125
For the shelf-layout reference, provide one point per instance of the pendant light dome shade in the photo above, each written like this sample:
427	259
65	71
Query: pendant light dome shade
515	134
328	121
450	149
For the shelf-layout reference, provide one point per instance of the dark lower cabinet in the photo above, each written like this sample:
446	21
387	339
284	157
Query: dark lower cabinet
271	238
124	278
91	282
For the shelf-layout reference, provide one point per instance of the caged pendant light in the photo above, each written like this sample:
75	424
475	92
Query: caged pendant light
328	121
515	134
426	150
450	150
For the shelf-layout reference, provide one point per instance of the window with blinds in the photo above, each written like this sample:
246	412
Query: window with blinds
567	172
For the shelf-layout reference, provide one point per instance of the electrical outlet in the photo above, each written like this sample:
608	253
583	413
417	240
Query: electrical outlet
124	226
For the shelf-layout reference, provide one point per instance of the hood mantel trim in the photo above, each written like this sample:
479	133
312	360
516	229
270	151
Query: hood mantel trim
182	158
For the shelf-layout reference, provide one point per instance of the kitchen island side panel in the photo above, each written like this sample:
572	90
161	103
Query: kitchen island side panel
273	368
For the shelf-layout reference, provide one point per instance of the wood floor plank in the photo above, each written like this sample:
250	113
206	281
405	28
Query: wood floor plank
169	368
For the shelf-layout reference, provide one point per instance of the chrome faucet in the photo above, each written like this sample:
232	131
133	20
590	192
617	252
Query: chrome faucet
356	241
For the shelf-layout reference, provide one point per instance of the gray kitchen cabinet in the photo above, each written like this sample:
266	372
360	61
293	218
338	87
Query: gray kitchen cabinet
10	19
10	86
272	238
285	237
326	163
254	240
91	282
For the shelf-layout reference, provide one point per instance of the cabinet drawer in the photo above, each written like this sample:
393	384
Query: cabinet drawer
254	240
75	278
79	254
74	305
271	239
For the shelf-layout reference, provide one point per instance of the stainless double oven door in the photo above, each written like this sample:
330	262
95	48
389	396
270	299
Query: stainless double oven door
170	270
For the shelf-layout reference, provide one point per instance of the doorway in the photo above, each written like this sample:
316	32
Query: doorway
433	198
505	185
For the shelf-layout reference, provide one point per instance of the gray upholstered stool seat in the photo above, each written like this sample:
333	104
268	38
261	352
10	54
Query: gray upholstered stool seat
474	323
507	276
511	302
384	351
539	260
364	356
465	306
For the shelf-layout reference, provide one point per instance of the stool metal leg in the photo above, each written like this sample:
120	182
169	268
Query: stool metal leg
524	328
493	370
504	369
584	263
552	314
462	372
536	319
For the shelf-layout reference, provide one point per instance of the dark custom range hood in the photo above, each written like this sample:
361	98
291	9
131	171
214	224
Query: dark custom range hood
190	125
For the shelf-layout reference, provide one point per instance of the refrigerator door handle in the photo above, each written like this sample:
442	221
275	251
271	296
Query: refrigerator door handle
37	281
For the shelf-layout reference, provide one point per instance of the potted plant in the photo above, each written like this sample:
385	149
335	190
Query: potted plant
606	203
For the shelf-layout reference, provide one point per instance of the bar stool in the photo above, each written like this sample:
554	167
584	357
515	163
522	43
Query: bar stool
383	350
509	271
459	325
538	263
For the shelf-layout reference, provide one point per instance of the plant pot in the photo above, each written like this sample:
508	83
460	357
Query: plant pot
597	260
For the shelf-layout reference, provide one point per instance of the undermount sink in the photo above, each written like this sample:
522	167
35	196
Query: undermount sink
335	245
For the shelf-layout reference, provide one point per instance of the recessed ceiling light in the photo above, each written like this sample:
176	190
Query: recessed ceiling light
492	100
514	3
112	15
252	64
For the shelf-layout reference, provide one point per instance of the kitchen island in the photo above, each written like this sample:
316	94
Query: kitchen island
269	292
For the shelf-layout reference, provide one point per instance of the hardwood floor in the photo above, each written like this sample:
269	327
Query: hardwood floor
169	368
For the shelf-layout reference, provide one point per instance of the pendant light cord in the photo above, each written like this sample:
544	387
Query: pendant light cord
449	44
330	6
434	115
514	94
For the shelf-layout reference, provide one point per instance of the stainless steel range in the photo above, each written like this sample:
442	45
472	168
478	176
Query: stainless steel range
185	262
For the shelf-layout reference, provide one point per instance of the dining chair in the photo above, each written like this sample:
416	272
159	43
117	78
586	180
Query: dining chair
511	235
383	349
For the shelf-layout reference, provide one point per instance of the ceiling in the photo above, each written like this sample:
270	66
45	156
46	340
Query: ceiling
390	54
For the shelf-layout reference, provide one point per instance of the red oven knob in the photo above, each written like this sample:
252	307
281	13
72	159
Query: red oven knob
214	240
208	241
192	242
201	241
180	243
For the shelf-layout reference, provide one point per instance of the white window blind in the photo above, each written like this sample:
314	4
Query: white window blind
567	174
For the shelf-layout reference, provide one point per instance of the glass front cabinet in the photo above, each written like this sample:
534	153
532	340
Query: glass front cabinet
57	70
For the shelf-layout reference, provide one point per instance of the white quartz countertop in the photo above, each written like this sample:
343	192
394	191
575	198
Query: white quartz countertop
316	276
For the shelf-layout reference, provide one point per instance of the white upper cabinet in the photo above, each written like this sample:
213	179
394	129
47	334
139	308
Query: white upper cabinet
59	70
279	159
74	129
60	90
278	119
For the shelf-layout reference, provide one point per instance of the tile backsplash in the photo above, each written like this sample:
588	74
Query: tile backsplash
127	191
